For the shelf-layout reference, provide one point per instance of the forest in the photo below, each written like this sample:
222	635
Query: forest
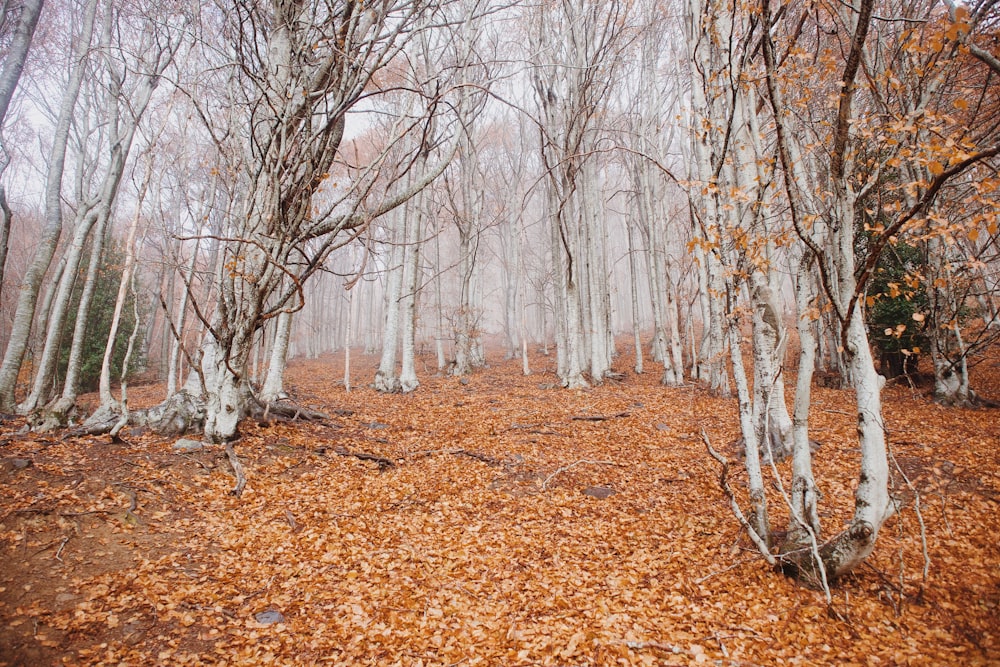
500	332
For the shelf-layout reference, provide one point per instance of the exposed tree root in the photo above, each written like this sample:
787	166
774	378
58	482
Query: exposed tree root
972	401
382	462
284	409
185	413
234	461
181	413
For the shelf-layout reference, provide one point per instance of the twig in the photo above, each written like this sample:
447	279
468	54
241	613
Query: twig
735	506
479	456
920	516
599	418
30	510
723	570
50	545
488	460
662	646
381	461
573	465
806	526
944	514
722	647
188	456
884	577
234	461
61	546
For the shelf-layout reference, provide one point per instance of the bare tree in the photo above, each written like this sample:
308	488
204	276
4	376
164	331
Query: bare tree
48	238
572	81
10	73
303	66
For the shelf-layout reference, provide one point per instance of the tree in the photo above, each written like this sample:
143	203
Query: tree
572	81
831	183
303	64
48	239
10	74
128	97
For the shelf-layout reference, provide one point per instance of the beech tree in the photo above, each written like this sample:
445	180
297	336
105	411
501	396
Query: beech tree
121	112
22	29
649	137
27	299
832	183
572	81
301	67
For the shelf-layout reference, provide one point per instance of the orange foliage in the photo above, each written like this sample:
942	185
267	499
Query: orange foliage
478	545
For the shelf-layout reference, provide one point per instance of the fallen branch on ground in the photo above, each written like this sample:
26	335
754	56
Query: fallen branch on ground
380	460
488	460
724	483
599	418
573	465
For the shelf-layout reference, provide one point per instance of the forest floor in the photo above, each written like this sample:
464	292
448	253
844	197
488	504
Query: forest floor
474	529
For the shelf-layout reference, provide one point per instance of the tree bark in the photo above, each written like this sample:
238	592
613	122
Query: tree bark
49	237
386	379
273	388
10	75
408	380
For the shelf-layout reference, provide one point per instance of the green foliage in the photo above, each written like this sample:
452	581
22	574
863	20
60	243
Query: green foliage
99	318
896	307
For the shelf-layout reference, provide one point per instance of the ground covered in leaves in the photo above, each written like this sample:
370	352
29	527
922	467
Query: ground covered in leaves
493	521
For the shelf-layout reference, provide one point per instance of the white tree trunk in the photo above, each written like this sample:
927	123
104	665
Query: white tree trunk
676	376
770	414
634	292
347	340
273	389
104	384
805	496
226	393
45	367
49	238
177	325
385	377
755	477
408	373
10	75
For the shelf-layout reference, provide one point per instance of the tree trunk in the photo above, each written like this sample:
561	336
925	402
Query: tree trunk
347	340
273	389
634	291
411	257
72	380
385	377
49	237
92	224
46	365
227	391
770	414
178	324
755	478
805	496
104	385
10	75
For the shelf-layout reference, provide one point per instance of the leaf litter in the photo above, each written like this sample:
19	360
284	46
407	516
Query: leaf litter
494	522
